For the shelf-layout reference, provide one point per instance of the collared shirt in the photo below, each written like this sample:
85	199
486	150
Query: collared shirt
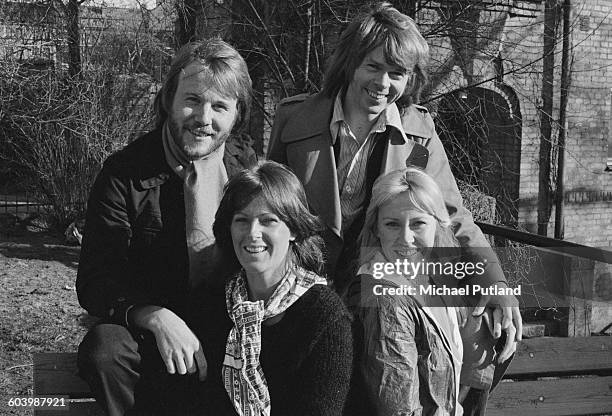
354	156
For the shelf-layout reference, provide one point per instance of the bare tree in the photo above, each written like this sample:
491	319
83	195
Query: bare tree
548	73
58	125
74	36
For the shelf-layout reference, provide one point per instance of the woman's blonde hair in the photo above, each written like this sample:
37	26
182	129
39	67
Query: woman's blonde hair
423	193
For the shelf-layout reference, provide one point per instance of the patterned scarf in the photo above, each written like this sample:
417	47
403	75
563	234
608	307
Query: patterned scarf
242	374
203	181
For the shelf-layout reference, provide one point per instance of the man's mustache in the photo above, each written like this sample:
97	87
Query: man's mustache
204	131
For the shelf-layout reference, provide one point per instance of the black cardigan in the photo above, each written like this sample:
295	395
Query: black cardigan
306	357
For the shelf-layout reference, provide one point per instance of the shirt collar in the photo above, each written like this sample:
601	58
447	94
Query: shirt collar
337	119
389	117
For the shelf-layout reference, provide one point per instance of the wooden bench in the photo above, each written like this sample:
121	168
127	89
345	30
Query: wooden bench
548	376
55	374
557	377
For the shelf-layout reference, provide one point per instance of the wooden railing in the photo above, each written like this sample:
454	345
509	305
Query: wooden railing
569	278
554	245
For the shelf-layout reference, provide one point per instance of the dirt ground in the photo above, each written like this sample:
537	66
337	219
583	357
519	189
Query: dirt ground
39	311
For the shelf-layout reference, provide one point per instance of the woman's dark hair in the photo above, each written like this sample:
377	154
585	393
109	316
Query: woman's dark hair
282	190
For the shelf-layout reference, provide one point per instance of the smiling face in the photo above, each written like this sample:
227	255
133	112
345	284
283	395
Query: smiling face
200	117
261	240
376	84
404	231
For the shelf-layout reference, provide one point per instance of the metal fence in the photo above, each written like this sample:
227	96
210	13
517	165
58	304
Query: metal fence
21	204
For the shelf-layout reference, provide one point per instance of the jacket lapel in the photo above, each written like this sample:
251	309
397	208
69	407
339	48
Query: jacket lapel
397	153
311	156
400	153
154	170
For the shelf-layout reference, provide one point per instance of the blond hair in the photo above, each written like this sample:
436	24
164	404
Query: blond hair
424	194
403	45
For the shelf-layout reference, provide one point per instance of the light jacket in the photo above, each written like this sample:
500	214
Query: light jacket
409	360
301	139
413	351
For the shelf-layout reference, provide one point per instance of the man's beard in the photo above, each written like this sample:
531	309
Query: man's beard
193	149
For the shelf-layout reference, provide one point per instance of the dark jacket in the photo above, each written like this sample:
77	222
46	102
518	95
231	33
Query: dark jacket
134	248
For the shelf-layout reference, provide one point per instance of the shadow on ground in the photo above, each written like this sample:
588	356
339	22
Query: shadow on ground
31	243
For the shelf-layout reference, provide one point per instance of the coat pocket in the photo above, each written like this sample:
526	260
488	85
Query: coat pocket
146	229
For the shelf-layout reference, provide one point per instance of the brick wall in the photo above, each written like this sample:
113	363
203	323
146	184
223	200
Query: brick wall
588	218
589	124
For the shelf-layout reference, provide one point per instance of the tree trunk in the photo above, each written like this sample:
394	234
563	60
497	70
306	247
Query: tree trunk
565	84
548	67
185	28
74	38
307	43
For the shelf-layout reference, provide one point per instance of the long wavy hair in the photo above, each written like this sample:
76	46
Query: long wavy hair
283	191
423	193
402	43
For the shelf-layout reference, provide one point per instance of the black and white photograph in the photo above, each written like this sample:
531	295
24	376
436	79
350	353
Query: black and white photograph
306	207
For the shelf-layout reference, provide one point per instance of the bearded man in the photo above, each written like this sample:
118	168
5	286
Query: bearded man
148	235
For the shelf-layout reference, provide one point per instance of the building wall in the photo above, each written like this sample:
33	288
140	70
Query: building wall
29	30
588	186
587	207
34	30
589	118
514	31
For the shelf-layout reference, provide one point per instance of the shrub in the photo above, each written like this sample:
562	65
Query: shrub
55	131
517	259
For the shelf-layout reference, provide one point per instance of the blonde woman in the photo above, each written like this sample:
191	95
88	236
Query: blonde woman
409	307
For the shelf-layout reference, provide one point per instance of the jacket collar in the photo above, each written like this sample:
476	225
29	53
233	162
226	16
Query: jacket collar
415	120
312	120
153	169
389	118
232	149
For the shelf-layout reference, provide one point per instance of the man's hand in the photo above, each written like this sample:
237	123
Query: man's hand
506	317
178	346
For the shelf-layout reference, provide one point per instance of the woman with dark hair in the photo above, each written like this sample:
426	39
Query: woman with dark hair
279	341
